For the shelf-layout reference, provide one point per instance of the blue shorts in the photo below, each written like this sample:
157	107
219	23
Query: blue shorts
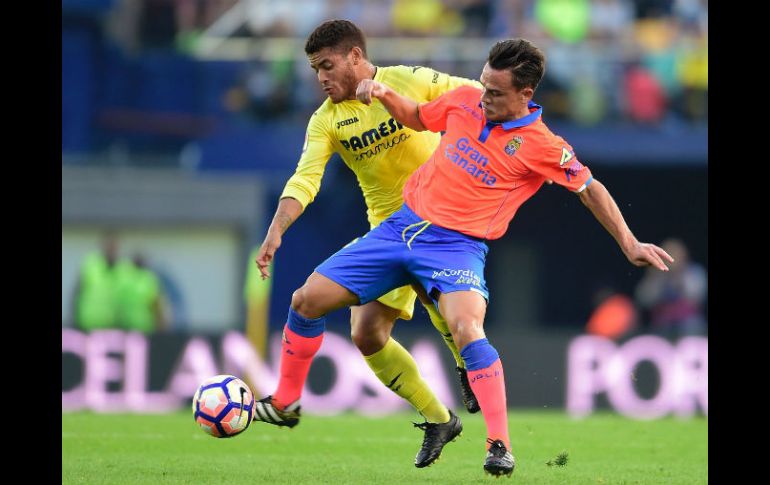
405	249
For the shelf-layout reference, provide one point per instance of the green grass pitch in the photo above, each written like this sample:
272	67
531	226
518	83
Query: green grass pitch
170	449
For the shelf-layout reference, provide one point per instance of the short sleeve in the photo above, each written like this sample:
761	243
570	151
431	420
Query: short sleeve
433	114
559	163
434	83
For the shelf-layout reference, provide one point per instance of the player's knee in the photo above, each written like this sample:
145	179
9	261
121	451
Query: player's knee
466	329
303	304
368	337
367	343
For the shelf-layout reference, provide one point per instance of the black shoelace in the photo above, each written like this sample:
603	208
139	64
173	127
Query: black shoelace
429	428
496	448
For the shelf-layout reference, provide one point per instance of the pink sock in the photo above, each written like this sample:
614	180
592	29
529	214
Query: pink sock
297	354
488	385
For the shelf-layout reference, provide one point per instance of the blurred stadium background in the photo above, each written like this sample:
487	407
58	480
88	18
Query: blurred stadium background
182	119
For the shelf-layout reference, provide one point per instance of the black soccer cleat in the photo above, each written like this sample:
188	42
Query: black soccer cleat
499	460
264	410
469	399
436	436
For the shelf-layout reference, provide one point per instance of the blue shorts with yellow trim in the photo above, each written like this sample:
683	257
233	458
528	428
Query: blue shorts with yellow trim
406	249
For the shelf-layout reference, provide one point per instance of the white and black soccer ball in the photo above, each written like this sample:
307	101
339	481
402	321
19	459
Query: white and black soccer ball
223	406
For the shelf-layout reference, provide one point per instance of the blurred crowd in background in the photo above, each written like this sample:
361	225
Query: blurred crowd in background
642	62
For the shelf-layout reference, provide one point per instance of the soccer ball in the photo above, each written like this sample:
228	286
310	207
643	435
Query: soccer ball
223	406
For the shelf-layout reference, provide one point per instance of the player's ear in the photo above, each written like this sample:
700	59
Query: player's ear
356	54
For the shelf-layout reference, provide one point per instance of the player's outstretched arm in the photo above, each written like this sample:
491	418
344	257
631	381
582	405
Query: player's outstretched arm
596	197
403	109
288	211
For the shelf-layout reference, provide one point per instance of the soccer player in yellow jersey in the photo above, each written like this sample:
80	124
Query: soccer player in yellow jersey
383	154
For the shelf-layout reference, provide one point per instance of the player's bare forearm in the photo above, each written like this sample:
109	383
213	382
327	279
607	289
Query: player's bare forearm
599	201
288	211
403	109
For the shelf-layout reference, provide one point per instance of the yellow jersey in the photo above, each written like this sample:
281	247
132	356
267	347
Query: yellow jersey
381	152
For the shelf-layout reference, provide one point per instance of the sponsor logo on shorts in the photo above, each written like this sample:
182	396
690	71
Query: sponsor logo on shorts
461	276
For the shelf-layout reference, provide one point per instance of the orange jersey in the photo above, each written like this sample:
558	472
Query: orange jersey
483	171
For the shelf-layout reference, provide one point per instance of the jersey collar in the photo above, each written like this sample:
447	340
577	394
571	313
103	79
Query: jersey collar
509	125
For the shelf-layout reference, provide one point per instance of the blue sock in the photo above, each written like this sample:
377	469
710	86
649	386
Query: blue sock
306	327
479	354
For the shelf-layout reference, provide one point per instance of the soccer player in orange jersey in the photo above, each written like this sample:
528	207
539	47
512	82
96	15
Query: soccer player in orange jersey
495	154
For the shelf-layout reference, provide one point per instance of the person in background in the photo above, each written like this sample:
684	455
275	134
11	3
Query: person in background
675	300
139	297
94	294
614	316
118	293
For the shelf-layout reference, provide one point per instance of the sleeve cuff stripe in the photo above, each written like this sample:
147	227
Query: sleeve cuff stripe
583	187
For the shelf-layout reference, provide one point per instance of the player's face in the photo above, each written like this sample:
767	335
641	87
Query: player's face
501	101
335	73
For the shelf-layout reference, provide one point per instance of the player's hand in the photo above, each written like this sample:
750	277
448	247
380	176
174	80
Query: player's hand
646	254
369	88
266	253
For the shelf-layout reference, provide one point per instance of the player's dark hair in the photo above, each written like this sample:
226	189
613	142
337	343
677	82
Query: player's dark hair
525	61
340	35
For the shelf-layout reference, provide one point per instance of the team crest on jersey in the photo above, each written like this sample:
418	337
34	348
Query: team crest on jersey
513	145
